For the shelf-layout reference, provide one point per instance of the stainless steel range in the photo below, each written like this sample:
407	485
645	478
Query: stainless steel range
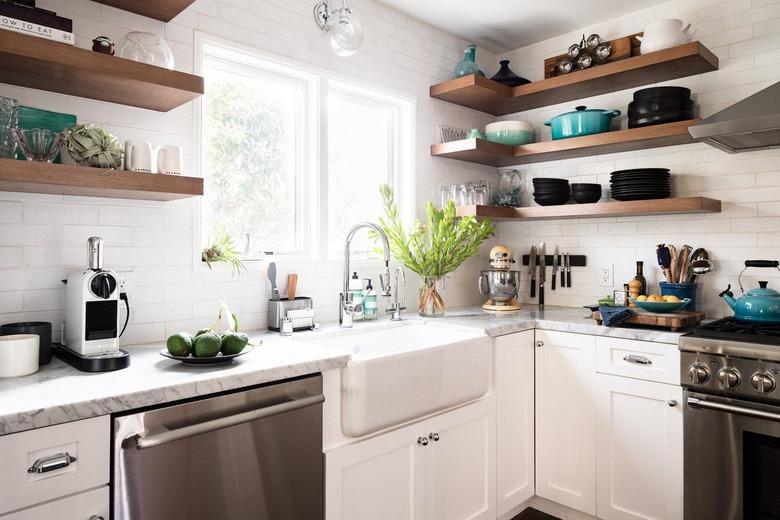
730	371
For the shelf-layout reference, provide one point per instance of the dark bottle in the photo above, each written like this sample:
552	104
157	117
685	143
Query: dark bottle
641	277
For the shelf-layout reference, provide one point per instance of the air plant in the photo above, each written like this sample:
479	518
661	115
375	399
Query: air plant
93	146
222	249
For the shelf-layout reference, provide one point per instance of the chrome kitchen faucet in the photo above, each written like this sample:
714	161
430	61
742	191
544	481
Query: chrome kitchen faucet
348	307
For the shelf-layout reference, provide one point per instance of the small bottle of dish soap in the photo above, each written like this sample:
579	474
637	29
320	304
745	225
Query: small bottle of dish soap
356	288
370	305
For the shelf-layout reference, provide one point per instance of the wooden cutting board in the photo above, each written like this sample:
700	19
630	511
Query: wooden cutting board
674	321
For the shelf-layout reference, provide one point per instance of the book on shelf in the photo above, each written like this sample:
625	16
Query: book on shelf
39	31
35	15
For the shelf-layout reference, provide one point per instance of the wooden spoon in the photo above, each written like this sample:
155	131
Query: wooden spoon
292	285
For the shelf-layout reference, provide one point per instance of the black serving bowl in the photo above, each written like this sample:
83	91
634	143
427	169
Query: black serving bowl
586	197
551	200
662	92
585	186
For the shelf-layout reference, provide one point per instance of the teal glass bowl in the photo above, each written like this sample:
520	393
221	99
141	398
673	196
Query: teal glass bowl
511	137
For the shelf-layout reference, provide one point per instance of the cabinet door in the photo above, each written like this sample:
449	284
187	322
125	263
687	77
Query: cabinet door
514	355
566	419
92	505
640	450
380	478
460	466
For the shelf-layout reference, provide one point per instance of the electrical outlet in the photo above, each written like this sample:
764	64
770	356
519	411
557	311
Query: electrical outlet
606	277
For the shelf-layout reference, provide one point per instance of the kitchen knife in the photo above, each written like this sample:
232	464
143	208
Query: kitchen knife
532	270
555	269
568	270
542	272
272	279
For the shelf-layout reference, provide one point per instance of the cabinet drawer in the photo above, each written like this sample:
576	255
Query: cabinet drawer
48	463
658	362
91	505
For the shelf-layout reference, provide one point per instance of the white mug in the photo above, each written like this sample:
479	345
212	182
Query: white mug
138	156
169	159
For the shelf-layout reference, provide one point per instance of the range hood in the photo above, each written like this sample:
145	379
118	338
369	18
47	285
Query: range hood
752	124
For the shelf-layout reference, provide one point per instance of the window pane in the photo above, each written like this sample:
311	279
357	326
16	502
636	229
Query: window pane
250	125
361	157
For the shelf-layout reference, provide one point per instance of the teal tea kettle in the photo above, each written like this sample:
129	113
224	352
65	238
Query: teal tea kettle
759	305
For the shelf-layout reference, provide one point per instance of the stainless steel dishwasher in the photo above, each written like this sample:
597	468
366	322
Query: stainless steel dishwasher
254	454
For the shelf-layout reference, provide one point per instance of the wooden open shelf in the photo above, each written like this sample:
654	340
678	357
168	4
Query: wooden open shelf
485	152
596	210
494	98
163	10
57	67
61	179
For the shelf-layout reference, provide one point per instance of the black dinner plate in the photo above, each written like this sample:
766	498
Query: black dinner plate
639	197
216	360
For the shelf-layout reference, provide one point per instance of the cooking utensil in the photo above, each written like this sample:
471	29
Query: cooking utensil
582	121
664	260
272	279
682	263
673	262
568	270
542	272
532	271
292	285
554	267
696	255
699	268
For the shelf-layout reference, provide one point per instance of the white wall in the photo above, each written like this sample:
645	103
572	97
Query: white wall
43	237
745	35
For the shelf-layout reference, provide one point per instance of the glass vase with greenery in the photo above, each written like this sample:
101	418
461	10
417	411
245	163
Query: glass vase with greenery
433	249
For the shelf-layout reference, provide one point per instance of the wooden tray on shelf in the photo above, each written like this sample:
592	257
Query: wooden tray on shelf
674	321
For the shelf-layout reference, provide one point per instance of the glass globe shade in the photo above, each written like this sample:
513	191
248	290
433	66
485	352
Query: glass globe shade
346	36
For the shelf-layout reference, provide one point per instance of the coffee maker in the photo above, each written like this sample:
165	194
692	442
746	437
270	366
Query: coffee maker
500	284
92	317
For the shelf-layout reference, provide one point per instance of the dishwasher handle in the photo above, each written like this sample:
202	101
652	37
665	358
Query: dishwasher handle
142	442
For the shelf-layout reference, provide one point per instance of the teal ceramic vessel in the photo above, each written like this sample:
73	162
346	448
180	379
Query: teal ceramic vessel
582	121
511	137
469	63
660	307
759	305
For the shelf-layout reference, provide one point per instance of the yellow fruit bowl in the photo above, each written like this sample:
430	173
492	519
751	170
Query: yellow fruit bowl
660	306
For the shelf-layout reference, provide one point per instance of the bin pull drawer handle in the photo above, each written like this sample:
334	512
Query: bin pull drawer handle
638	360
51	463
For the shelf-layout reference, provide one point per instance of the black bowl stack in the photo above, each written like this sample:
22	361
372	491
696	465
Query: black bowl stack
551	192
640	184
585	193
659	105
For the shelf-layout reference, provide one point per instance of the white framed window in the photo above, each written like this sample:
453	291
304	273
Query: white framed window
292	157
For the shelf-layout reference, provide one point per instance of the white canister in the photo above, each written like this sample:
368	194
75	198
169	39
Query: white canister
169	159
18	355
663	34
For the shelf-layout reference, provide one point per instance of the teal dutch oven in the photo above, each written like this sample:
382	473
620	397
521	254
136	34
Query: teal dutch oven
583	121
758	305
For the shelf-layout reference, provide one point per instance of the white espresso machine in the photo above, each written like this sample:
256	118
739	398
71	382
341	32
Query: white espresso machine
92	317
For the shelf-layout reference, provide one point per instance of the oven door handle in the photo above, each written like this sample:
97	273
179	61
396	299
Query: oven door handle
740	410
142	441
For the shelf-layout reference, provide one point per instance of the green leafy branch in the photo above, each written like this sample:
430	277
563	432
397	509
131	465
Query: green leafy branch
441	245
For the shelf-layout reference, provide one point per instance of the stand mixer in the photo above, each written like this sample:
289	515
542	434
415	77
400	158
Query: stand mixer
500	284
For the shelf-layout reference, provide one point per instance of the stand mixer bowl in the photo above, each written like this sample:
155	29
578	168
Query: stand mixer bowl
500	286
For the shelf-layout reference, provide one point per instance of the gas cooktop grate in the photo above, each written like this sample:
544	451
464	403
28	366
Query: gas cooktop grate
732	329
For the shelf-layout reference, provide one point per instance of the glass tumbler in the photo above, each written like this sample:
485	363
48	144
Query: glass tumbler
9	119
471	194
445	195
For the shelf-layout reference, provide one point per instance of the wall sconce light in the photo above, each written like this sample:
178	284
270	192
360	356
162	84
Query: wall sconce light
342	27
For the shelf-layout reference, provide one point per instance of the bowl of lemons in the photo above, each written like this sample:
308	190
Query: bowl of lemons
658	303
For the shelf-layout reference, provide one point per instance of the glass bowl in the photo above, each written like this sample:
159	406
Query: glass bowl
39	144
146	48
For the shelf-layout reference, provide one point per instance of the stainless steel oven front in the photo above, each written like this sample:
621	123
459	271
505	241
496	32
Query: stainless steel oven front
732	458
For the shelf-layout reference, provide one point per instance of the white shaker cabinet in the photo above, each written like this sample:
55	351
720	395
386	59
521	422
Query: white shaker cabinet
566	419
514	381
640	449
442	468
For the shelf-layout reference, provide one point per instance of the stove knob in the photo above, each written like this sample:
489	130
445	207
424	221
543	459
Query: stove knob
729	378
698	373
763	383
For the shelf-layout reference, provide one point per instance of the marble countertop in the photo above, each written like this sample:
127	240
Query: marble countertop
59	393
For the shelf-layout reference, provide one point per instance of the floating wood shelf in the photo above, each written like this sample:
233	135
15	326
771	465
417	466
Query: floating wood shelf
494	98
61	179
599	209
57	67
163	10
485	152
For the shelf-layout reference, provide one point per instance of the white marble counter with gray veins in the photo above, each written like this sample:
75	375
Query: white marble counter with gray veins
59	393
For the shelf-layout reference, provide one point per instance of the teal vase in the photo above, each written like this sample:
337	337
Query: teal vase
469	64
